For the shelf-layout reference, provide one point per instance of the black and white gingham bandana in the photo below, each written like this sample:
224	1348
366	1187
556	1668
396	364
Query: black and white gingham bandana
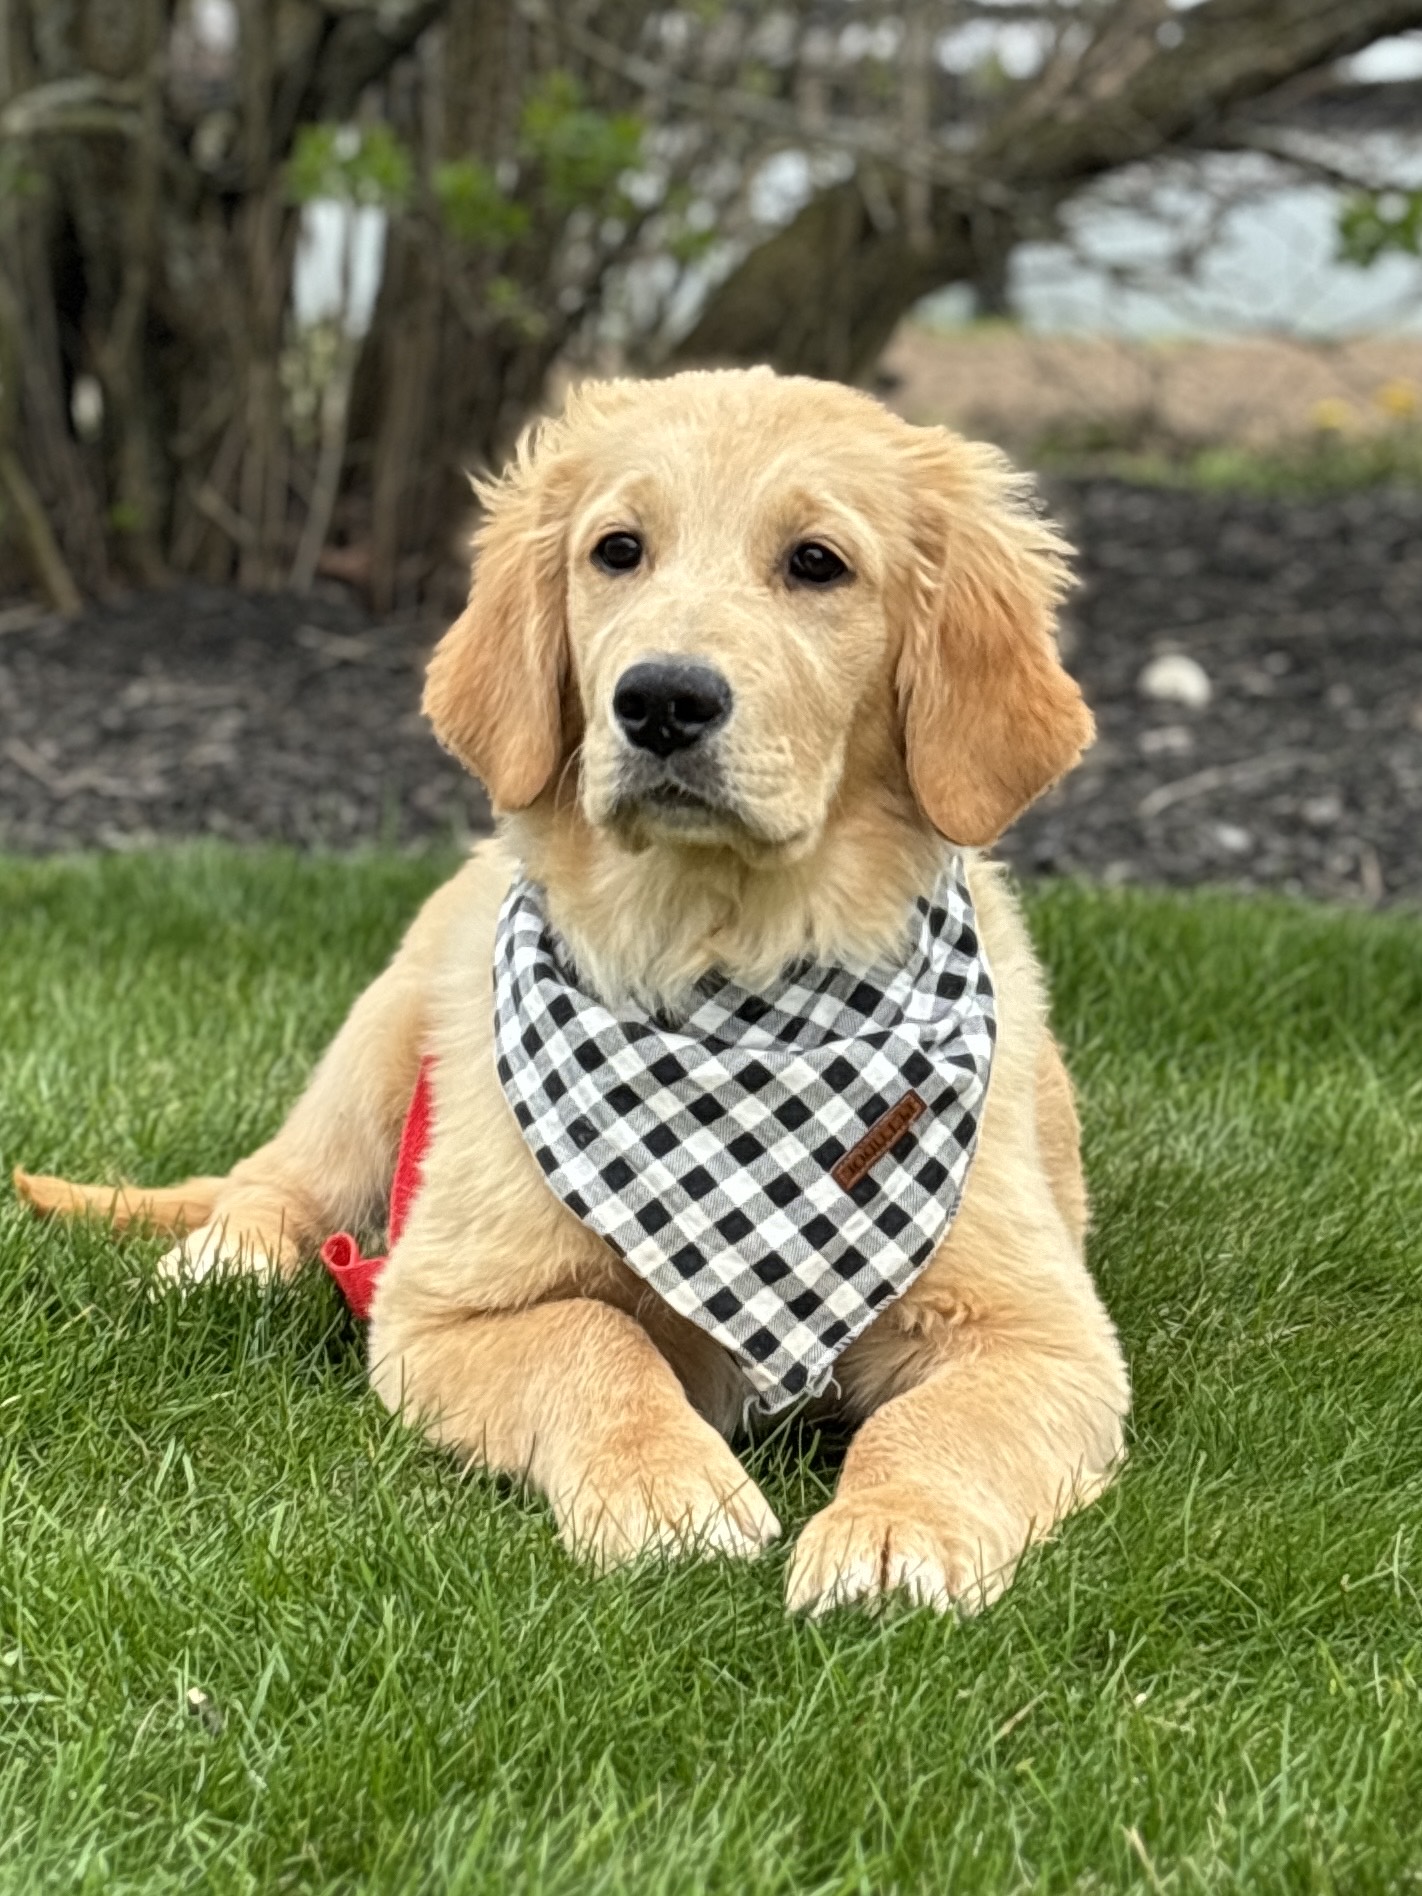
778	1164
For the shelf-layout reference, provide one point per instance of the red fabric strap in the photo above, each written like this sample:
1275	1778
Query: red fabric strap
356	1276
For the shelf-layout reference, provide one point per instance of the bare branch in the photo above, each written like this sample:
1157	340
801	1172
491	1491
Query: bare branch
67	106
1230	52
53	576
1298	152
1319	103
361	48
1123	98
787	125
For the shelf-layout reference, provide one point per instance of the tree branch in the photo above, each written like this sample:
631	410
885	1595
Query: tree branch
884	144
53	577
1230	52
1120	101
65	106
1289	150
361	47
1318	103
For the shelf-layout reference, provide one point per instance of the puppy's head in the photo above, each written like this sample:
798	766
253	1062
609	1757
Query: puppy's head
704	605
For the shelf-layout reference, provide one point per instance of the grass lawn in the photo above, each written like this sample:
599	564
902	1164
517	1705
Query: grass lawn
1211	1681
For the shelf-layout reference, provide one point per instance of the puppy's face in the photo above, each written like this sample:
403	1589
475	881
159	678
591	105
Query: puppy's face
697	599
727	614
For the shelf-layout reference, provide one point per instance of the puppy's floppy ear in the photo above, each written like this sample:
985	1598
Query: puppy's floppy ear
494	689
991	719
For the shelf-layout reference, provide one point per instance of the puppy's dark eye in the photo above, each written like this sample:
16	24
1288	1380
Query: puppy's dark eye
815	565
618	552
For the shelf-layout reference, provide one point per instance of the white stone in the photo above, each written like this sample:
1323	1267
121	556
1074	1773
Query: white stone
86	407
1176	678
1166	740
1234	838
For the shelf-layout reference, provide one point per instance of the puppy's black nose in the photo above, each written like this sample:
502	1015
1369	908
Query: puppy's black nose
667	705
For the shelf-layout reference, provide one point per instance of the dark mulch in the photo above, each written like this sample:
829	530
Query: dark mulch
199	712
1305	771
207	713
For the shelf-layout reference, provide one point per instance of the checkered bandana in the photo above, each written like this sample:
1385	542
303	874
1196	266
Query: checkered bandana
778	1164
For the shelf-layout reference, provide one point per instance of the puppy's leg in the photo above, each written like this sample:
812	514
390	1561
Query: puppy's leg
1059	1138
330	1163
999	1412
575	1398
332	1159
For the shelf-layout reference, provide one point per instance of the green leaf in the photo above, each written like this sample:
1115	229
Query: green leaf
382	171
474	207
18	179
1378	223
688	243
507	301
581	153
365	165
313	169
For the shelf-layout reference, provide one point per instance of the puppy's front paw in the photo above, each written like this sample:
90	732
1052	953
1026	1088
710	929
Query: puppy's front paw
220	1249
898	1539
680	1499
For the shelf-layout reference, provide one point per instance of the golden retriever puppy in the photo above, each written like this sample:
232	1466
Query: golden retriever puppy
750	666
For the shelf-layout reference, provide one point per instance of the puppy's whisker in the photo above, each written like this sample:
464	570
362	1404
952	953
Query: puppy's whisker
574	757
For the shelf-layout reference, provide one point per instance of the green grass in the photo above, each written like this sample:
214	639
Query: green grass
1326	461
1211	1681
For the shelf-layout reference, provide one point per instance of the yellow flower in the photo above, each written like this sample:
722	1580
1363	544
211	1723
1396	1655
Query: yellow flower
1398	399
1334	413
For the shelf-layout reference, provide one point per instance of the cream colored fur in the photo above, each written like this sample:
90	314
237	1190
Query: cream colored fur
919	700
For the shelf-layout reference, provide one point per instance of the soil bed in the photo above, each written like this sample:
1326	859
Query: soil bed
1304	772
197	712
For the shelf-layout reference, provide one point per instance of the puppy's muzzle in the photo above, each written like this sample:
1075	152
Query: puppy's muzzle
669	705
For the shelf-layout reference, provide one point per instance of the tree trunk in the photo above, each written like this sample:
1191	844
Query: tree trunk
37	257
164	275
447	377
823	297
824	294
152	246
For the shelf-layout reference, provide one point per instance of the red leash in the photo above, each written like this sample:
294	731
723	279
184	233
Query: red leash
355	1275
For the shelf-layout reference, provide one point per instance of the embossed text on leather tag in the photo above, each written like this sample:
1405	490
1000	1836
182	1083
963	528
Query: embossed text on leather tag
885	1132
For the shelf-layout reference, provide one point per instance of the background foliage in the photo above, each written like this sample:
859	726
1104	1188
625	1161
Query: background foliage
559	188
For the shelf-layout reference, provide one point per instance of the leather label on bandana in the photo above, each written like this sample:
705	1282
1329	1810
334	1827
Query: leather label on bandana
884	1133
